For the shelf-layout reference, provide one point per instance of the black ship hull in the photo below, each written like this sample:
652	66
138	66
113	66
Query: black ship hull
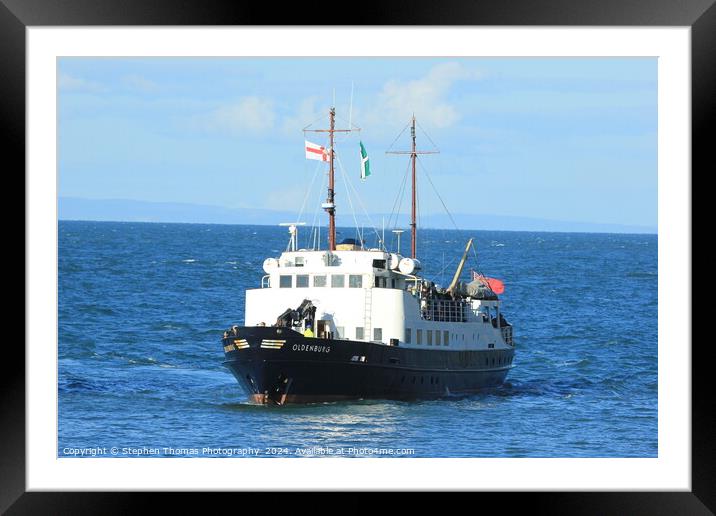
279	365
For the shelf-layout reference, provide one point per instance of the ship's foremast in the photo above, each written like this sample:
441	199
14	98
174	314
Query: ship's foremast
330	204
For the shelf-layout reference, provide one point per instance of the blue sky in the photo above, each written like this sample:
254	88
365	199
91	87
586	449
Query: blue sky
555	138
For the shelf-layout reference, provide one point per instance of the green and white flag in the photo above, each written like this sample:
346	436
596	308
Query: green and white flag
364	162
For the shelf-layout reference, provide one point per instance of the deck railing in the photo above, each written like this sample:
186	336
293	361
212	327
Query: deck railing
444	310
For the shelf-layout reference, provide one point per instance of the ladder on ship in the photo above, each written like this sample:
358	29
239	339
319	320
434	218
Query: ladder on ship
367	316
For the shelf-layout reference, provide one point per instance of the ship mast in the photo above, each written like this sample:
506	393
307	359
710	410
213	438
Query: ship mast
330	205
413	219
413	156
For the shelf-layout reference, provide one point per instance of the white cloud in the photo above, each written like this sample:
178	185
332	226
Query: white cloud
137	82
425	97
393	105
307	113
69	82
246	114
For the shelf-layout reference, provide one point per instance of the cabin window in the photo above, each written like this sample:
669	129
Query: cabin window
392	283
355	281
359	333
340	332
429	337
378	334
407	335
302	281
437	337
319	281
379	264
285	281
379	281
446	339
338	280
419	336
299	261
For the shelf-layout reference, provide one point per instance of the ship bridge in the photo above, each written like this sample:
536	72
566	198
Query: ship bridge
339	269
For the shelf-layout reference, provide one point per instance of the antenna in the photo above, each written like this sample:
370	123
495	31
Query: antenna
398	232
382	243
293	231
350	110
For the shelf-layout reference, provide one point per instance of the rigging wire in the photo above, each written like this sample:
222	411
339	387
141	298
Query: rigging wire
315	212
445	267
308	191
365	212
399	199
474	252
427	135
438	194
399	135
351	125
306	128
348	194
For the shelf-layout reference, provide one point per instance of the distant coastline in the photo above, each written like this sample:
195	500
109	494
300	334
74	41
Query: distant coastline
124	210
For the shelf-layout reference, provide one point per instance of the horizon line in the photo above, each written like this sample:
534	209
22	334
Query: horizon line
352	227
637	228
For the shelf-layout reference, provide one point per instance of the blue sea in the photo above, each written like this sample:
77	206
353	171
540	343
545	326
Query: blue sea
142	307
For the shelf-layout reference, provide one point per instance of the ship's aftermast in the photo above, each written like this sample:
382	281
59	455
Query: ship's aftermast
413	156
330	204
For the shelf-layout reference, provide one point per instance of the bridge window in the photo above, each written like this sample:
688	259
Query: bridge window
319	281
302	281
379	264
355	281
407	335
338	280
285	281
299	261
359	333
378	334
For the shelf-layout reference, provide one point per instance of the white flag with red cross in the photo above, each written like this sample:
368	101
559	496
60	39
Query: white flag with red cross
315	151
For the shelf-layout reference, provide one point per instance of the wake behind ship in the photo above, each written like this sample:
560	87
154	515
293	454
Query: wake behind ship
351	322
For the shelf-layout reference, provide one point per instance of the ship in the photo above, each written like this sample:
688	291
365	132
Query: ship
349	322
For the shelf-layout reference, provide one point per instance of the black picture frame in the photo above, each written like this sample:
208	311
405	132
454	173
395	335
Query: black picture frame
700	15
